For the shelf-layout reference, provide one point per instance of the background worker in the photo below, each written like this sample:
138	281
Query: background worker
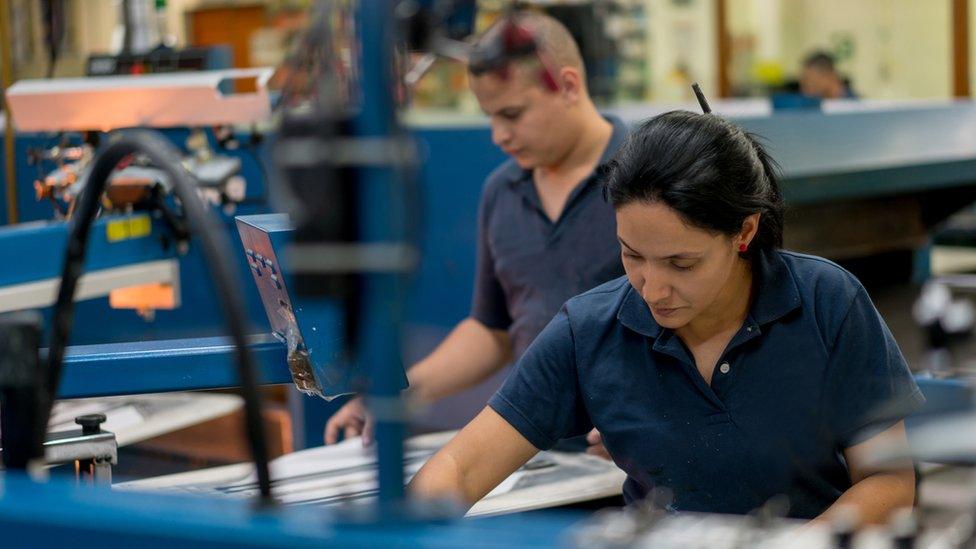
545	232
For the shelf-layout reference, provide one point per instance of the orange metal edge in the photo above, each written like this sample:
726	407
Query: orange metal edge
144	297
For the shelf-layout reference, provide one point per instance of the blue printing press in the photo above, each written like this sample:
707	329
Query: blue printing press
95	517
129	367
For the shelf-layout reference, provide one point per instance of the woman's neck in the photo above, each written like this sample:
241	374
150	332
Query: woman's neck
728	311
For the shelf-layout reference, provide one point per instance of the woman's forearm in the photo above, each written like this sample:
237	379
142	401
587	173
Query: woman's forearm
440	478
875	498
475	461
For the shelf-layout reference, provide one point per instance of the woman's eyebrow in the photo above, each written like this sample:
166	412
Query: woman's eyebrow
680	255
628	246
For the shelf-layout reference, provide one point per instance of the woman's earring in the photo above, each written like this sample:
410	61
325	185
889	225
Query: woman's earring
743	248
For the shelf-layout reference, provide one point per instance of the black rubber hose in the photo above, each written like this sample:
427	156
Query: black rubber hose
216	247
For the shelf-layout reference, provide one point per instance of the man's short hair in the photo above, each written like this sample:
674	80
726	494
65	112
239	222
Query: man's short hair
820	60
552	37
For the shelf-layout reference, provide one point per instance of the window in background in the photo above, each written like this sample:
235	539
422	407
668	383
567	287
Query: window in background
889	49
682	48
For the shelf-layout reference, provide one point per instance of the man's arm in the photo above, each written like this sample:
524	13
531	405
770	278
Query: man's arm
474	462
469	354
876	493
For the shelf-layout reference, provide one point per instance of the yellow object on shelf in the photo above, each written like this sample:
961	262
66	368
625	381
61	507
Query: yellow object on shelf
128	228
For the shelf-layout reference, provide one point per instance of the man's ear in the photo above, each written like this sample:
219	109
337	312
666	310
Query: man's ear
571	84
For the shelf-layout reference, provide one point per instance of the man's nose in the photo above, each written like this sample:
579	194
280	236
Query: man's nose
500	134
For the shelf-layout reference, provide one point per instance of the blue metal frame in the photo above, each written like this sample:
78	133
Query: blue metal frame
37	249
382	195
169	365
56	513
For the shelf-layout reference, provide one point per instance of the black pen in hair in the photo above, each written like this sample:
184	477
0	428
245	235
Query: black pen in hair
701	98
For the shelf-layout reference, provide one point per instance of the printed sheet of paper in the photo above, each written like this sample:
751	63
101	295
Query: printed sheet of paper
345	474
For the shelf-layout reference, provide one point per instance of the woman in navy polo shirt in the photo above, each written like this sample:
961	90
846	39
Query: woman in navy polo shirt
721	367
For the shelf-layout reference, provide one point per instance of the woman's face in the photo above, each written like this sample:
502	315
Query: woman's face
679	270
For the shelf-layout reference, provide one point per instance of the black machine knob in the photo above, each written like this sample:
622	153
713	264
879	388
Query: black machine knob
90	423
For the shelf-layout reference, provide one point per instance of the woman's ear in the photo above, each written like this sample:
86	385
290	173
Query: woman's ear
750	227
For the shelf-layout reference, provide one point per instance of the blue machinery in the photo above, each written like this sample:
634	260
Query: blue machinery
56	512
126	368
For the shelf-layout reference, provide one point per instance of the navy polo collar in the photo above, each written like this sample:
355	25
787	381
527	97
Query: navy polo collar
776	291
635	314
515	174
776	296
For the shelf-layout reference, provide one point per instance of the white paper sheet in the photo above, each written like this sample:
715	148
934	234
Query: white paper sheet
345	473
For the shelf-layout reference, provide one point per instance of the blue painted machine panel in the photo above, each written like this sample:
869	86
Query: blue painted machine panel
37	248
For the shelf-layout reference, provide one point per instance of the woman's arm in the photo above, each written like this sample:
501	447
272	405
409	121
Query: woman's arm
479	458
876	493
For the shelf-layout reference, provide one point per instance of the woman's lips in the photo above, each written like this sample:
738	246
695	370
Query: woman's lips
664	311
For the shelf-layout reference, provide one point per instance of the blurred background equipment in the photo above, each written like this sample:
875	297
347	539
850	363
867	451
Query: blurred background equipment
367	136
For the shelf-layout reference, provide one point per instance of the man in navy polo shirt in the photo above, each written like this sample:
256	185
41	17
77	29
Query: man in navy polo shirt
545	233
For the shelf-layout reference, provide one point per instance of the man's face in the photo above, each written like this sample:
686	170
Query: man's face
816	82
528	122
681	271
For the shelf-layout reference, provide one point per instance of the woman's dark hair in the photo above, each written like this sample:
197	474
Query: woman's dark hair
707	169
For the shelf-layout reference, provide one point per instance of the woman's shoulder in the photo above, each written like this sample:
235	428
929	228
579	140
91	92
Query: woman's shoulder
823	273
829	289
602	301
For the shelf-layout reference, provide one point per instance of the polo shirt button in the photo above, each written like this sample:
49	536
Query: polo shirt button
724	368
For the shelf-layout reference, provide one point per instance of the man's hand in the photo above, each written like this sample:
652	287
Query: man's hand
596	447
353	420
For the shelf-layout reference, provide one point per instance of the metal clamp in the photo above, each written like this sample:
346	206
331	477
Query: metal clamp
95	450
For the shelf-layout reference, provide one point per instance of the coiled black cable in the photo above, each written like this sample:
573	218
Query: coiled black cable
216	246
